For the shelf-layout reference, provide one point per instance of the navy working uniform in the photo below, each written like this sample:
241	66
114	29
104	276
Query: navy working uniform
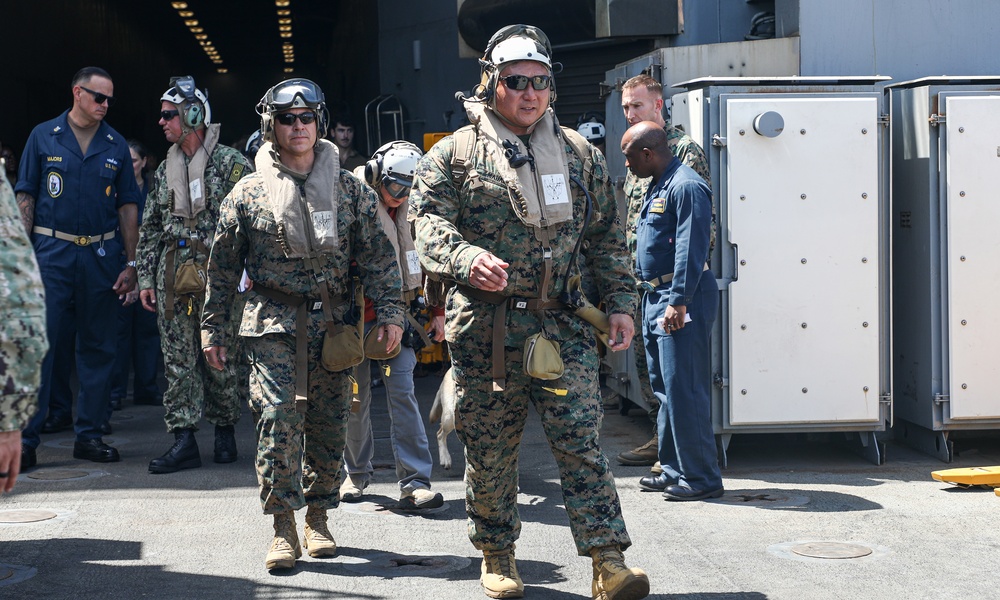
80	196
673	235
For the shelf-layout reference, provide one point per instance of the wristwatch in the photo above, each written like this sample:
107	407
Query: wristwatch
130	263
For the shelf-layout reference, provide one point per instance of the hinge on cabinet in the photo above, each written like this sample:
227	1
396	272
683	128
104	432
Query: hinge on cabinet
883	119
719	382
936	120
604	88
718	141
941	398
885	398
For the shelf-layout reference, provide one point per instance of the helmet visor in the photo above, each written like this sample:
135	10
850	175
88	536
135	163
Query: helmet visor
397	186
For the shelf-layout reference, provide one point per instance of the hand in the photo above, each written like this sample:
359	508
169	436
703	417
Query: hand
215	356
10	459
131	298
621	331
125	283
437	328
392	334
488	273
673	318
148	297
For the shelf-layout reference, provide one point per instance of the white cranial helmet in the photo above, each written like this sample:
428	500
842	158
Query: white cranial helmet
519	48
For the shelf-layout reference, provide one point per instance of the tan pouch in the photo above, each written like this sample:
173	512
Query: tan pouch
190	278
342	350
542	359
375	349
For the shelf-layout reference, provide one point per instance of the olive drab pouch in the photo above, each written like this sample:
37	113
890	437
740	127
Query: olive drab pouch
343	345
542	359
375	349
343	349
190	278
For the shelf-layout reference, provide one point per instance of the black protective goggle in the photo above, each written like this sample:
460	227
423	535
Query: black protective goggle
167	115
100	98
396	189
520	82
288	118
285	96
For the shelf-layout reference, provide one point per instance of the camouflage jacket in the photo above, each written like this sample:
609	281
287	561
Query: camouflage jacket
160	229
248	231
23	340
453	226
689	153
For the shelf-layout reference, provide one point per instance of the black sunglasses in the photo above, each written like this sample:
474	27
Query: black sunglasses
167	115
520	82
99	98
288	118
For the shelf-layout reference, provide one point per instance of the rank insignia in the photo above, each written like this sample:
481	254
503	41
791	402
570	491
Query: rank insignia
658	205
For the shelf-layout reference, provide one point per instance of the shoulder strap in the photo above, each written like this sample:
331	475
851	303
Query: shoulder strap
465	146
582	150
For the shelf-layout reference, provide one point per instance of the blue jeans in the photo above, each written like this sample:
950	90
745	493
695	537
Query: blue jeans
409	438
680	372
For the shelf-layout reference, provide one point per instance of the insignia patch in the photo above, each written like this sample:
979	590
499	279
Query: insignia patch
55	185
658	205
236	173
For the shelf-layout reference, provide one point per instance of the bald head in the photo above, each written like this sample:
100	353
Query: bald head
645	148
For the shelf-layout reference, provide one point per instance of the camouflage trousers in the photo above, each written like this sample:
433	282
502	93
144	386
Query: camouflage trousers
298	455
642	370
193	388
491	424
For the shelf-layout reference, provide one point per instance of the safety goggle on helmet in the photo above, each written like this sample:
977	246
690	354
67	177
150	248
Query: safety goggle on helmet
292	93
183	90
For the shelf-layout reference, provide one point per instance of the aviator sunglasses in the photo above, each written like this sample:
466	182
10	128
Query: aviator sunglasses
167	115
288	118
99	98
520	82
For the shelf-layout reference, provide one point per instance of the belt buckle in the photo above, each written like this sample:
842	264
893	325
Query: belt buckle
82	240
317	305
520	304
646	286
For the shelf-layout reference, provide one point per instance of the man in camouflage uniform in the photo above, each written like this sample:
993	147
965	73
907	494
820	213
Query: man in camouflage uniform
297	223
642	100
23	342
175	238
508	261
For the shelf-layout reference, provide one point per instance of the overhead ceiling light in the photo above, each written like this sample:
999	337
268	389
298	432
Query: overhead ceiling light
282	3
289	70
179	5
185	13
223	71
284	21
201	36
284	12
285	34
191	22
284	27
197	29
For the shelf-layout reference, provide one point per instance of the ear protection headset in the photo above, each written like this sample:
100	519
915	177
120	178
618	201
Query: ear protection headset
293	93
511	44
192	102
396	160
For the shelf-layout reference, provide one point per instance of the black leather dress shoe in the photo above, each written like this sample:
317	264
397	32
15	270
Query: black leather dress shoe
106	428
656	483
683	493
28	457
95	450
57	424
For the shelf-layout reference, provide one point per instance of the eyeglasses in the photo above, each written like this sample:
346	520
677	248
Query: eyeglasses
167	115
100	98
288	118
520	82
396	190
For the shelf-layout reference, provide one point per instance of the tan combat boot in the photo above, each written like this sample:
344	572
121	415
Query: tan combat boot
499	574
613	580
643	456
285	546
318	540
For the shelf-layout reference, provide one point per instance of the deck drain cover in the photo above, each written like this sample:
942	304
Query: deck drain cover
26	516
763	499
388	564
53	474
831	550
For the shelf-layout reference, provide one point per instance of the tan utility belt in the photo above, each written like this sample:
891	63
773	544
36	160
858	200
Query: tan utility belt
656	282
79	240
